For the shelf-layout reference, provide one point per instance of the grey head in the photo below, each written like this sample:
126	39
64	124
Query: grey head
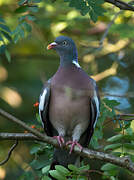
66	49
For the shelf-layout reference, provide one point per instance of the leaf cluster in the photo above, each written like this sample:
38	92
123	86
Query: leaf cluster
92	7
25	9
5	38
62	173
120	145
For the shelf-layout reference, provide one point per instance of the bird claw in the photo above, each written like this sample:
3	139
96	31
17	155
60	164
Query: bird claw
73	144
60	140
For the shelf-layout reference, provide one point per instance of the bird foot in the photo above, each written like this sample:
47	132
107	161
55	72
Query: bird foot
73	144
60	140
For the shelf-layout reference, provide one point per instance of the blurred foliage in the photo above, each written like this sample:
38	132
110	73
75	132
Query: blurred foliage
26	27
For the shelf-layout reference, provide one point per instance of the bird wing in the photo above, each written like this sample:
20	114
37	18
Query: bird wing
94	113
95	106
44	101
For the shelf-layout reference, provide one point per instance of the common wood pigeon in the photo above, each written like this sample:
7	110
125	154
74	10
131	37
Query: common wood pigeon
69	103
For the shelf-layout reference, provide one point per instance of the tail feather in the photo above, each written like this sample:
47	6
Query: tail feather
62	157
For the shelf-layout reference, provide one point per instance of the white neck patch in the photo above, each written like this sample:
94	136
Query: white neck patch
76	64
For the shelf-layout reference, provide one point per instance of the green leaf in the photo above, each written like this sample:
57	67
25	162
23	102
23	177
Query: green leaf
100	2
108	167
33	9
16	38
22	34
57	175
22	9
45	169
73	168
35	149
8	56
111	103
129	145
85	168
93	15
36	1
7	36
115	138
99	10
27	26
31	18
112	146
45	178
27	175
5	28
2	49
62	169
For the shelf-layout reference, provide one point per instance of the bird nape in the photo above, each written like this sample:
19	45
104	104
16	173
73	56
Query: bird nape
69	104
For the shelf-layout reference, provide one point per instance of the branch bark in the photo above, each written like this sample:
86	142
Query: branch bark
124	162
121	4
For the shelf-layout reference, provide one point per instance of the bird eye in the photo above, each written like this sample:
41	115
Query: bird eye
64	42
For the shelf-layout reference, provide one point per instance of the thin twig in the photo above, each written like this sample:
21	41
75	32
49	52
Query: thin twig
129	119
127	95
126	115
9	153
124	162
121	4
108	27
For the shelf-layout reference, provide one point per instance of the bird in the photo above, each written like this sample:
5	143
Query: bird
69	104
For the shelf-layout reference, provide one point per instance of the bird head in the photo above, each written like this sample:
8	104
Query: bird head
66	49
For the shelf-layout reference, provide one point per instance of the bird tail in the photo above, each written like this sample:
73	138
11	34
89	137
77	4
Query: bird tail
62	157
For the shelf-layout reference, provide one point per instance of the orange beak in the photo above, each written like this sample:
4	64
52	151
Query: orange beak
52	45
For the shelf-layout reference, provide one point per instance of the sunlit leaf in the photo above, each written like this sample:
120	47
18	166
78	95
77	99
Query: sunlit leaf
45	169
62	169
7	36
57	175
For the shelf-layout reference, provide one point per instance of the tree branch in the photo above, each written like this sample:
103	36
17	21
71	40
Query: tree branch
9	153
121	4
124	162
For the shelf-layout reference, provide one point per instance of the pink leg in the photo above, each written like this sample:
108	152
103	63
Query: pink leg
60	140
74	143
